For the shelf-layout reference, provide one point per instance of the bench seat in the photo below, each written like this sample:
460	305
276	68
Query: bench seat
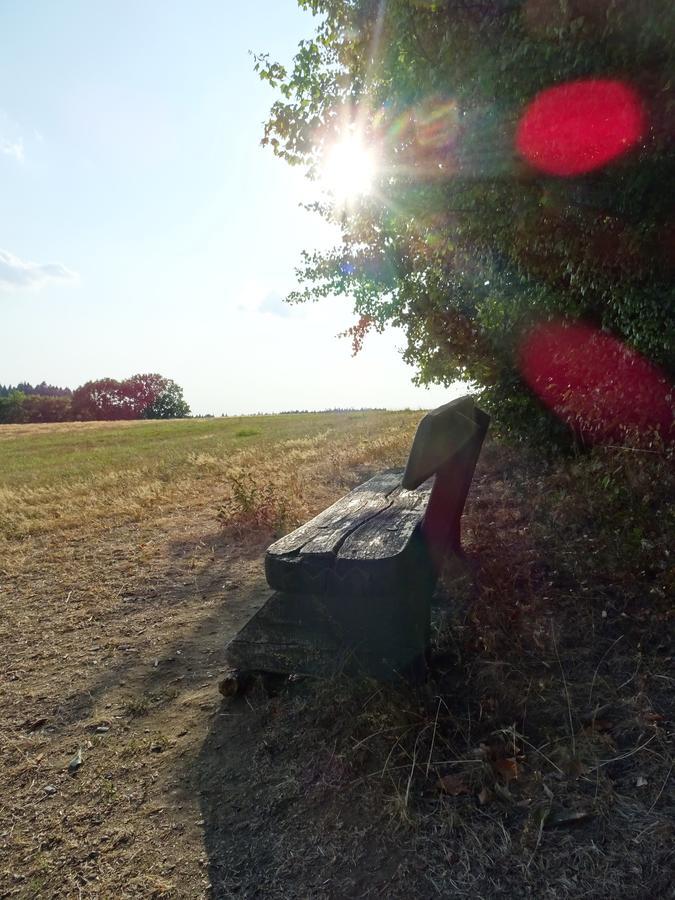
366	542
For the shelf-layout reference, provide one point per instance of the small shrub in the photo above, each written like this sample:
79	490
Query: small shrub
260	499
137	707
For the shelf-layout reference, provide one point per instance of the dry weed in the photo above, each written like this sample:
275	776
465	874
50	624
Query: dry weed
279	489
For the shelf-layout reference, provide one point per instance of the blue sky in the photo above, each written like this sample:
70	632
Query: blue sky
142	226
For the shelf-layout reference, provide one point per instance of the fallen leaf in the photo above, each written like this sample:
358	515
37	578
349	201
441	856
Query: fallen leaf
653	717
484	796
454	785
229	685
506	767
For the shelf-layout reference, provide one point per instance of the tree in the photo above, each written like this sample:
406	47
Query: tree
50	390
11	407
168	403
46	408
524	158
141	391
149	396
42	390
104	398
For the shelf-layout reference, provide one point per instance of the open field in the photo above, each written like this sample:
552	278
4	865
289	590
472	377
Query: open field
119	585
70	475
131	552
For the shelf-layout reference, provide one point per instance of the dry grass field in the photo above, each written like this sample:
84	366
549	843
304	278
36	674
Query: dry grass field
536	762
129	552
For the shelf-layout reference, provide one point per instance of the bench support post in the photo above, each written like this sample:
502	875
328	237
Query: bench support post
442	518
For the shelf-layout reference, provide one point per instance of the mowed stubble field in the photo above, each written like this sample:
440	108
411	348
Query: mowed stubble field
129	553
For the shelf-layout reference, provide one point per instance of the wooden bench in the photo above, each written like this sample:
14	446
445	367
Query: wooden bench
353	587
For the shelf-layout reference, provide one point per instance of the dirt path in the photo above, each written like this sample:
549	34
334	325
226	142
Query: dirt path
133	686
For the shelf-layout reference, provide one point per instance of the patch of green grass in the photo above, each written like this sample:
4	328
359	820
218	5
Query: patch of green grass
246	432
33	456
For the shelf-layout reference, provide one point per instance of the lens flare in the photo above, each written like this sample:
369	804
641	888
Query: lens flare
574	128
349	170
600	387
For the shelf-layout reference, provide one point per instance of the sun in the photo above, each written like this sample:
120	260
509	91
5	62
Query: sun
349	170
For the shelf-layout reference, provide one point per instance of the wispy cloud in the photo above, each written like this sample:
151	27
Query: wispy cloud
11	138
273	303
18	274
12	148
259	296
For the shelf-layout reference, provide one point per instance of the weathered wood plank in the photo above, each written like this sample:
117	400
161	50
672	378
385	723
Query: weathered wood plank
441	526
332	521
290	633
387	534
301	560
386	555
352	550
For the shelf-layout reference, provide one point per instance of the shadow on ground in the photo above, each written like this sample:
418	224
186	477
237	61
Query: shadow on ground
283	817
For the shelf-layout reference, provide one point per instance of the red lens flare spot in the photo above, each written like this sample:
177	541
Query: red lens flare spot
601	388
577	127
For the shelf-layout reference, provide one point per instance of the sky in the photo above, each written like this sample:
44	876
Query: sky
142	226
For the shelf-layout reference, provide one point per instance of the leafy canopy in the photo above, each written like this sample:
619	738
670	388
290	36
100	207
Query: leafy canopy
466	242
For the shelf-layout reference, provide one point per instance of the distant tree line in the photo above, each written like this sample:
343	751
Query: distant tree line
149	396
40	390
335	409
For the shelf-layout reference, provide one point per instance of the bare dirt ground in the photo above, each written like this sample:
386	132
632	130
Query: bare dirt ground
535	762
131	681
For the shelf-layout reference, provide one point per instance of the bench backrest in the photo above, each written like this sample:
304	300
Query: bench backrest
368	543
447	444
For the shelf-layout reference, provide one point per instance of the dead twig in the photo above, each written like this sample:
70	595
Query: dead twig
567	693
607	762
433	738
663	787
602	659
